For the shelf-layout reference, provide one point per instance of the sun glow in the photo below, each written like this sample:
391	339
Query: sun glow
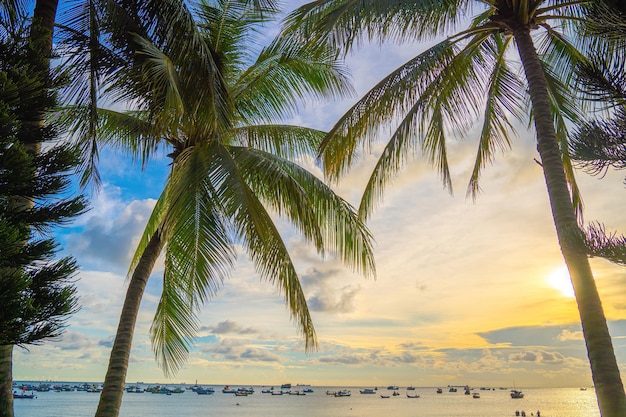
561	281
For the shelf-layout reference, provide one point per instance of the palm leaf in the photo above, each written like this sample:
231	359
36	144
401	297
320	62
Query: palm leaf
284	141
262	241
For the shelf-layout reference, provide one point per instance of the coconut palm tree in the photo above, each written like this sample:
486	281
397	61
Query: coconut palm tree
465	78
231	165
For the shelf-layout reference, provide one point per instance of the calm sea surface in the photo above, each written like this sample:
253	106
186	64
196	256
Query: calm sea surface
551	402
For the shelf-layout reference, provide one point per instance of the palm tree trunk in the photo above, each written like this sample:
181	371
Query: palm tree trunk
6	380
113	390
604	369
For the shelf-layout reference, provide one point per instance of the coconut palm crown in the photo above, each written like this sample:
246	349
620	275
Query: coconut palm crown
471	78
232	160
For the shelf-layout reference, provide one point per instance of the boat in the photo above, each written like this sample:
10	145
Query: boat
135	390
411	388
331	392
228	390
384	396
285	386
395	393
412	396
367	391
307	390
241	393
267	390
277	393
452	389
516	394
296	392
392	387
23	394
476	395
343	393
204	391
439	390
247	391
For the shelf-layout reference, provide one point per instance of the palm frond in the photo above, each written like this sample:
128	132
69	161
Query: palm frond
174	326
262	241
312	207
284	73
392	96
284	141
504	97
346	22
200	249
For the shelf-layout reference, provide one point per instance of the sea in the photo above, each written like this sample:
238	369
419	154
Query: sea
493	402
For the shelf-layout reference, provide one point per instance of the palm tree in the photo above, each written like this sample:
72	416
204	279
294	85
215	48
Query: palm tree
467	77
231	165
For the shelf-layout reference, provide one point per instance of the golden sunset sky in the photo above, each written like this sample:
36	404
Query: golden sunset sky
466	292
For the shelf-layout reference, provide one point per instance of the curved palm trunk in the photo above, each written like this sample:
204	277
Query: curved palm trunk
604	369
6	380
113	390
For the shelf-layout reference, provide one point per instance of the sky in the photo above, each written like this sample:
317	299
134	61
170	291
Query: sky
466	292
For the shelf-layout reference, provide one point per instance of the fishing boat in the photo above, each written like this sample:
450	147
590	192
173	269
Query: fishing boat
476	395
412	396
367	391
23	394
228	390
204	391
439	390
516	394
285	386
343	393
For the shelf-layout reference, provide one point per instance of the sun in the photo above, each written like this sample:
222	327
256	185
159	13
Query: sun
561	281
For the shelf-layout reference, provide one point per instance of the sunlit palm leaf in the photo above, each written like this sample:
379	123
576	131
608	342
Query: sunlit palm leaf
263	242
344	22
174	326
390	98
284	73
284	141
321	215
504	97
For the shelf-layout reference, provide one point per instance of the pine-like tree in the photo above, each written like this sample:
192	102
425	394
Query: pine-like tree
37	293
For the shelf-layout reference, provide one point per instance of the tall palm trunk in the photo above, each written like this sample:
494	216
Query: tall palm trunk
6	380
113	390
604	369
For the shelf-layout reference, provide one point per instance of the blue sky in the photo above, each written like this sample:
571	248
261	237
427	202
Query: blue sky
463	293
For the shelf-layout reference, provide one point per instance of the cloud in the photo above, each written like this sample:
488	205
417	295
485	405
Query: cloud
229	327
542	357
110	232
570	335
326	295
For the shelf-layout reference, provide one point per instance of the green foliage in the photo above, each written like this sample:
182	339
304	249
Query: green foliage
466	80
36	291
215	98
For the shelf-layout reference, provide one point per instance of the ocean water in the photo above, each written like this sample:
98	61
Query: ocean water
551	402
